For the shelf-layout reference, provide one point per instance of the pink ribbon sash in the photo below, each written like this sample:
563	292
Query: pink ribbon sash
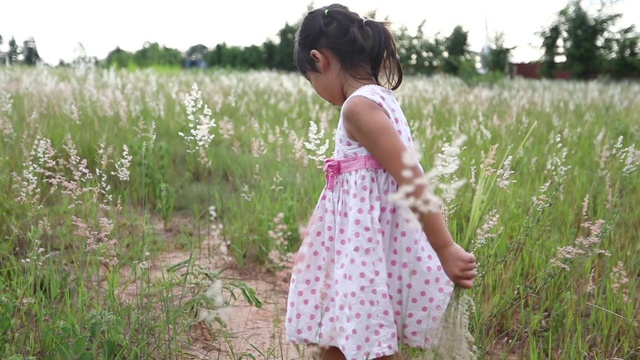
334	167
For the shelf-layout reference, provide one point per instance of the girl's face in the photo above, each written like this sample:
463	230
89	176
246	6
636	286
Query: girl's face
321	84
326	81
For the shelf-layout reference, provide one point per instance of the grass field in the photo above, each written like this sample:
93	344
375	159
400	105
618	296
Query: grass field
102	171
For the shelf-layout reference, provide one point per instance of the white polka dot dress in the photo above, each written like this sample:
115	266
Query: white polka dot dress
365	280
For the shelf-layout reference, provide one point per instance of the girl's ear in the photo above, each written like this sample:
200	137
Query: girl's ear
315	54
320	60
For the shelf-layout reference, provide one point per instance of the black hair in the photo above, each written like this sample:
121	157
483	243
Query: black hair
357	43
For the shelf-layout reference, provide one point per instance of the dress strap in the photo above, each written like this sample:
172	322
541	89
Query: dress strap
334	167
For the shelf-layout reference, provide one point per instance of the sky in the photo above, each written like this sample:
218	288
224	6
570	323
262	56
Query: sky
58	26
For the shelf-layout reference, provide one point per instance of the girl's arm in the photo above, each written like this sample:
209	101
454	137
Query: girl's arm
367	123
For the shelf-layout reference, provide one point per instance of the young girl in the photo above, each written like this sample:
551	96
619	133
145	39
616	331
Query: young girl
366	280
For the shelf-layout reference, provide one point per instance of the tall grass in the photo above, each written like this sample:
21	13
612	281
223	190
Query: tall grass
97	181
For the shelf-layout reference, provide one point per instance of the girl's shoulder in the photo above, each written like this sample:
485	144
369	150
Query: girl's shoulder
376	93
373	89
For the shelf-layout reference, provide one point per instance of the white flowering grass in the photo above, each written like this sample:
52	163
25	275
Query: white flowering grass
75	231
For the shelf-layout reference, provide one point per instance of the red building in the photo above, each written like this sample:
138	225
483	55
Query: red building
532	71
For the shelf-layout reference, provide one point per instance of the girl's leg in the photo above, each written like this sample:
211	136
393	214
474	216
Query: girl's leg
333	353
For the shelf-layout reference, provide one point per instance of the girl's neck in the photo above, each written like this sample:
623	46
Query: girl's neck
354	83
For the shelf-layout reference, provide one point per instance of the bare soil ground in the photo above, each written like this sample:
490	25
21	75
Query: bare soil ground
251	332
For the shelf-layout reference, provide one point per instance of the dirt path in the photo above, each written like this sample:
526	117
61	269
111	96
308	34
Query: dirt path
251	332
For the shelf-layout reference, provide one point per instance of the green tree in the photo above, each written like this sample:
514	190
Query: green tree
253	57
418	54
119	58
152	54
284	49
585	39
625	61
495	55
583	36
270	50
30	52
197	52
550	38
14	51
456	54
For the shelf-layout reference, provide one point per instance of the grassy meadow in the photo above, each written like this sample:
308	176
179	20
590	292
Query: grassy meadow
101	171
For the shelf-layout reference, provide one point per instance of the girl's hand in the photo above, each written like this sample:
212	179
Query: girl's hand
459	265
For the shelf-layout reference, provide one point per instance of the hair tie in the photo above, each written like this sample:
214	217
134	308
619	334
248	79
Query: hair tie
364	21
325	12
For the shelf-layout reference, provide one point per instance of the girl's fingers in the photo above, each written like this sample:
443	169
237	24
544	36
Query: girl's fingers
465	283
469	266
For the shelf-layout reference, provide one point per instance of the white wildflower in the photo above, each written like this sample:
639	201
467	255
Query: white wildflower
200	122
315	143
122	166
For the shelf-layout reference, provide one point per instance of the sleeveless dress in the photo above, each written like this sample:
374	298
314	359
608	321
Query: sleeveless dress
365	279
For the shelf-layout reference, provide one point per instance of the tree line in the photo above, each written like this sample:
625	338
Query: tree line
584	44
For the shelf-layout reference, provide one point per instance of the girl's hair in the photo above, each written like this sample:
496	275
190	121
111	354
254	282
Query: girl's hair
357	42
